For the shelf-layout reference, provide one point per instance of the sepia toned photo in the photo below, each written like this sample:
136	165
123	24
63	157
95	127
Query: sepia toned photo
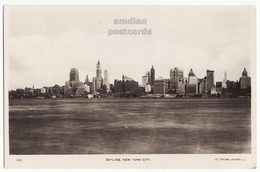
130	85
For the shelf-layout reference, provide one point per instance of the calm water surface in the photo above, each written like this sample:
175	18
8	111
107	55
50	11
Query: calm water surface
129	126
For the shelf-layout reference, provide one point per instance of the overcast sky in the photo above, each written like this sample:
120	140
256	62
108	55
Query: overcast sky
43	43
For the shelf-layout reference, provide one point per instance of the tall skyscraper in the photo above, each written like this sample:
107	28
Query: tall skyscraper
245	81
224	82
98	70
192	84
86	80
98	79
94	84
210	80
106	80
152	75
177	80
145	80
74	86
202	85
149	77
192	78
74	74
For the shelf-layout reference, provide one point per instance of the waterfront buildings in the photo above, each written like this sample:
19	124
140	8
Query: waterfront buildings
176	84
161	86
126	85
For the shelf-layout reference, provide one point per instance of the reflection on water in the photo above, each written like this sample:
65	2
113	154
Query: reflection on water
129	126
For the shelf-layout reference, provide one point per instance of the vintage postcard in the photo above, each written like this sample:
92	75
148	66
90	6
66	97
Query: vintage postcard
130	86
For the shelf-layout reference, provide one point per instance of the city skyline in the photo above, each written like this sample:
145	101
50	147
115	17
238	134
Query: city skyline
74	76
58	39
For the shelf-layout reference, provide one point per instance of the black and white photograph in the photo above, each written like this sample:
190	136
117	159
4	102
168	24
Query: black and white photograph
130	84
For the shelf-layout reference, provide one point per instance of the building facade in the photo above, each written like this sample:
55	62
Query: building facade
224	82
245	81
210	81
126	85
177	80
106	80
145	80
192	83
74	86
98	79
219	86
161	86
74	74
152	71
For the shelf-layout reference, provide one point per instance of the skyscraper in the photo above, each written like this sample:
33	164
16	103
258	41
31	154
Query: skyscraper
98	70
98	79
152	75
210	80
86	80
245	81
145	80
149	77
224	82
177	80
106	80
192	84
74	74
74	86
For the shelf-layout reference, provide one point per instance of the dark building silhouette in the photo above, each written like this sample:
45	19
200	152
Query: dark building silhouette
245	81
74	74
98	81
56	90
74	86
152	75
245	84
126	85
202	85
161	86
177	80
232	88
210	80
218	86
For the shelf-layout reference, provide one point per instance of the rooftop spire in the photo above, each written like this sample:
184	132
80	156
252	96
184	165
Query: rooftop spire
191	73
244	73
